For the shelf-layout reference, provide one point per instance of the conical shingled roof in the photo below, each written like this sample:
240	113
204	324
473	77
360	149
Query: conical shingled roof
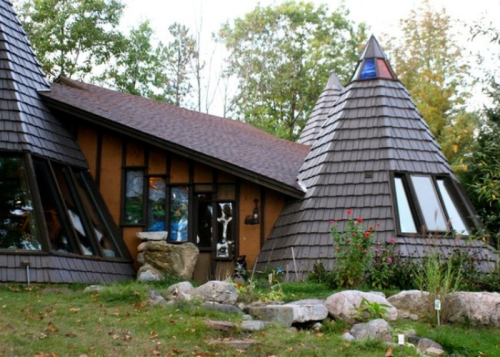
26	125
373	130
323	106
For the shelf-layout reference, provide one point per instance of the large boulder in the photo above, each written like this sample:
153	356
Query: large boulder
308	310
477	308
374	329
148	273
216	291
343	305
177	260
411	304
278	314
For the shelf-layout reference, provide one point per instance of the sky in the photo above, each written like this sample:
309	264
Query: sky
381	16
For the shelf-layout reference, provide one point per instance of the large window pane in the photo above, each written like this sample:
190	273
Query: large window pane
179	213
156	204
205	216
100	230
406	221
59	238
456	220
225	231
429	204
134	200
74	213
17	222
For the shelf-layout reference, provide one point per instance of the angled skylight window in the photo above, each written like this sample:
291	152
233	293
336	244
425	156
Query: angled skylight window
407	222
426	204
430	206
456	219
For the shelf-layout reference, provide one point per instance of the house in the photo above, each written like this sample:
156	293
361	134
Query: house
90	167
375	156
54	225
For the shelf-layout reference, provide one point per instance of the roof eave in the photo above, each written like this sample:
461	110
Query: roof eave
173	147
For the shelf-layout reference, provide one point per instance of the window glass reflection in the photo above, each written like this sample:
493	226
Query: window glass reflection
74	214
156	204
179	214
101	232
58	235
134	192
205	216
456	220
429	204
17	221
406	221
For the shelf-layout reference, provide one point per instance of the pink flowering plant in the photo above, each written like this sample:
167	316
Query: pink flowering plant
382	272
352	251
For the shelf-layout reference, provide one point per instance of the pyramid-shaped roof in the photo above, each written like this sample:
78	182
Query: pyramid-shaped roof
57	224
26	125
373	132
323	106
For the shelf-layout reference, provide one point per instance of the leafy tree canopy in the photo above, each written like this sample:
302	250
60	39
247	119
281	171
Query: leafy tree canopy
71	36
282	55
430	63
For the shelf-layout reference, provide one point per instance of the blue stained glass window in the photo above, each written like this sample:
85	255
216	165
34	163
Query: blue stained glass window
369	70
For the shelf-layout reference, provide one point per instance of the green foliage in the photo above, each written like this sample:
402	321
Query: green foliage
281	56
481	178
370	310
178	56
352	251
138	68
439	279
429	61
72	37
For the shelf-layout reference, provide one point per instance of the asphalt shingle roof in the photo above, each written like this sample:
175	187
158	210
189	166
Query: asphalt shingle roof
230	145
25	123
318	116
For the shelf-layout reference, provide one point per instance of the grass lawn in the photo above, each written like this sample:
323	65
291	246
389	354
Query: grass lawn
59	320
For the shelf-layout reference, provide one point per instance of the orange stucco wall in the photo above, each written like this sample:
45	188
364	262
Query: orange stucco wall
156	161
87	138
249	244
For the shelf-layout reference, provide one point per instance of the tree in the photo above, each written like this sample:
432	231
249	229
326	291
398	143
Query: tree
70	37
178	55
429	62
481	178
282	55
138	69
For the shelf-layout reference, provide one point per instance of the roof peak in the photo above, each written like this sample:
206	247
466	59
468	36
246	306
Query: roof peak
372	49
373	63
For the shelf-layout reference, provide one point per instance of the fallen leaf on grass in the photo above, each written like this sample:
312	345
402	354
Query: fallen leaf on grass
70	334
388	352
115	337
74	309
153	335
52	328
319	335
42	336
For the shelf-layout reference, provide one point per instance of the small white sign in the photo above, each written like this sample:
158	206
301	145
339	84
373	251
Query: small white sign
437	305
401	339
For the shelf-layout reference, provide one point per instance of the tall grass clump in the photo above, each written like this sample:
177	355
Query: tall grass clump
438	279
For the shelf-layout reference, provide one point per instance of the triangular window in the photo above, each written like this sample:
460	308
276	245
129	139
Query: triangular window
383	70
368	70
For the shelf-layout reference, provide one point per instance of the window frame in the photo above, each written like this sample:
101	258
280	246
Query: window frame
416	209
